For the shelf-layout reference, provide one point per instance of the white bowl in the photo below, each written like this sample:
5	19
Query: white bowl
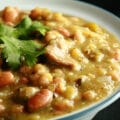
85	11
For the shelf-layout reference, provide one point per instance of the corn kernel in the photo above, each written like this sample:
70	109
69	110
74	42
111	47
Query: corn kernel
71	92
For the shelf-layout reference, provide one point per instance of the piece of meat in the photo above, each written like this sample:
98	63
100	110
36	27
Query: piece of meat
58	52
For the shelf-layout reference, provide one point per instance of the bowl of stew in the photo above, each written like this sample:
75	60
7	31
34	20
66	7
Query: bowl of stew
58	60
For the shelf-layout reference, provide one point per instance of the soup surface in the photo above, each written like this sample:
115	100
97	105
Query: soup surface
52	64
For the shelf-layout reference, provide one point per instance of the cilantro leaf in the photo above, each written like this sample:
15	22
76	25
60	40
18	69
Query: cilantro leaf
30	51
28	26
22	29
10	51
39	27
15	49
6	30
25	23
18	46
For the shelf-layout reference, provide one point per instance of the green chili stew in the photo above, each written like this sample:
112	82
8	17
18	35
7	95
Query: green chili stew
52	64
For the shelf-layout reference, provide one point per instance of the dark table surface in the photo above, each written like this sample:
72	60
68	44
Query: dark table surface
111	5
112	112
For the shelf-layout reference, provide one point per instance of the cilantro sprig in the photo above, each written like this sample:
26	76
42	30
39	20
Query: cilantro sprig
28	26
18	46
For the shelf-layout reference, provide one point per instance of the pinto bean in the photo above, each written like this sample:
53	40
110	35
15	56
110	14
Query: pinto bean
40	99
64	31
41	13
35	13
10	14
6	78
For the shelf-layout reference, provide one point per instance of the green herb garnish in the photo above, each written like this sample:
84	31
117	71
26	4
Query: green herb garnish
18	46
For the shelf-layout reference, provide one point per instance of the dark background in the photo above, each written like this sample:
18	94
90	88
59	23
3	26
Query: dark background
110	5
112	112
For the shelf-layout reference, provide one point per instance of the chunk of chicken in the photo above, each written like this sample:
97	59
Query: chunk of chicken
58	52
